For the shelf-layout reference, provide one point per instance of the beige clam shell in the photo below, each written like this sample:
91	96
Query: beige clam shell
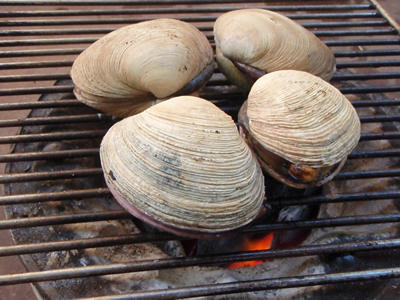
302	118
126	70
270	42
182	166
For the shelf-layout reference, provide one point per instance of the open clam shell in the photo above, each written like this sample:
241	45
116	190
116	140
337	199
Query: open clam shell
125	71
182	166
301	127
253	42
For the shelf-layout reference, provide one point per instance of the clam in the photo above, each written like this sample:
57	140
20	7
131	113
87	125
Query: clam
127	70
300	127
182	166
253	42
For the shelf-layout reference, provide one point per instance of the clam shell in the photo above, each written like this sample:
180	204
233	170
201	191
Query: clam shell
126	70
270	42
182	166
302	118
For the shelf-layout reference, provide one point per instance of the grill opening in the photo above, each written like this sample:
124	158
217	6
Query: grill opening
64	236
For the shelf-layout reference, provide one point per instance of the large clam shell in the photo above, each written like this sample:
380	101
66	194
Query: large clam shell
257	41
126	70
182	166
302	119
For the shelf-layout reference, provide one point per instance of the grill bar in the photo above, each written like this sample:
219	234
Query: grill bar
63	174
380	136
367	42
368	64
34	64
367	174
69	89
34	77
69	103
85	243
362	23
375	154
73	153
363	103
336	77
389	31
61	41
39	104
90	193
53	175
368	76
258	285
54	136
371	119
337	198
215	259
63	154
382	22
102	216
333	222
53	196
64	219
30	53
87	134
367	90
97	12
364	53
120	2
37	42
22	53
146	265
371	14
46	64
55	120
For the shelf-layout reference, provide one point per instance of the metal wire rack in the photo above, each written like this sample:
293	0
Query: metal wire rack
364	39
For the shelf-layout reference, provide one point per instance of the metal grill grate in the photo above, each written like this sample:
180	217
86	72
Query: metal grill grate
40	40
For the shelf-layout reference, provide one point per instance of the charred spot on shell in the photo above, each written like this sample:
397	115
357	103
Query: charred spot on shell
111	174
294	175
303	173
197	82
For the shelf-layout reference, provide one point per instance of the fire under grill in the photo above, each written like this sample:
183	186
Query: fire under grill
75	241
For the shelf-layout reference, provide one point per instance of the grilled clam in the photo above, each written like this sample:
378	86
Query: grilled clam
182	166
253	42
301	127
125	71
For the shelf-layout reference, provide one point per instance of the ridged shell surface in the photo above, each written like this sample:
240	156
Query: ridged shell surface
181	164
270	42
302	118
126	70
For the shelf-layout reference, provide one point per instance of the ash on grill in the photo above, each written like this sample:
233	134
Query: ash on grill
187	276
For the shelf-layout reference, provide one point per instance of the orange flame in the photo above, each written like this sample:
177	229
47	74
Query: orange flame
263	243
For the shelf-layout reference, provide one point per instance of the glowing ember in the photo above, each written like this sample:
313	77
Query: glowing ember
263	243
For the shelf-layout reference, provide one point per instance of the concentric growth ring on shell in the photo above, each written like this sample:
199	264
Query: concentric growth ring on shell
253	42
182	166
127	70
301	127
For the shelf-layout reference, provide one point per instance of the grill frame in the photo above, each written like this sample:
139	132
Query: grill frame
378	12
